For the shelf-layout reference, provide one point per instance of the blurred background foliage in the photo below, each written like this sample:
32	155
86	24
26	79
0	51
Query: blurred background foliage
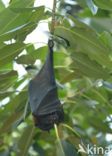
83	69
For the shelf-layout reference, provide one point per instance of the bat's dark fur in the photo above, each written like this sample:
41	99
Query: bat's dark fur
45	105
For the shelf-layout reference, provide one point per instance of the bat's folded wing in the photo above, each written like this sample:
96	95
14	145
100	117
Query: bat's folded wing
43	90
43	96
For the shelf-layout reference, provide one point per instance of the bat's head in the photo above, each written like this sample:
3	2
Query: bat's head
47	121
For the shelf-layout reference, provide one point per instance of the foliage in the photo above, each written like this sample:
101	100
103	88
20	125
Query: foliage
82	69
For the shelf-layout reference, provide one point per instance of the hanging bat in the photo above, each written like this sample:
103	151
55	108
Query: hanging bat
43	97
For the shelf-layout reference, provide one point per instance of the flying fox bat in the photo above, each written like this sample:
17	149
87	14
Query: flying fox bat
43	97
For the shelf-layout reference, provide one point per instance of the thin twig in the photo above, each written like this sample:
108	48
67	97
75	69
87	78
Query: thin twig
53	17
58	139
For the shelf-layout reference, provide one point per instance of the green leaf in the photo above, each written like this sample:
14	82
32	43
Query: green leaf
24	4
88	67
60	58
30	48
82	3
89	4
25	59
32	55
86	42
9	52
18	32
7	80
69	149
13	112
92	6
24	144
38	14
9	24
106	38
63	74
72	130
7	75
27	110
23	24
104	4
101	24
23	10
8	123
2	6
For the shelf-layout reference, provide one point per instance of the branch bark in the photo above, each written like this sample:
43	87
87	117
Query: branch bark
53	17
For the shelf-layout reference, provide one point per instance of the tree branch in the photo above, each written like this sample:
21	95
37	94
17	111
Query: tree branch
53	17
